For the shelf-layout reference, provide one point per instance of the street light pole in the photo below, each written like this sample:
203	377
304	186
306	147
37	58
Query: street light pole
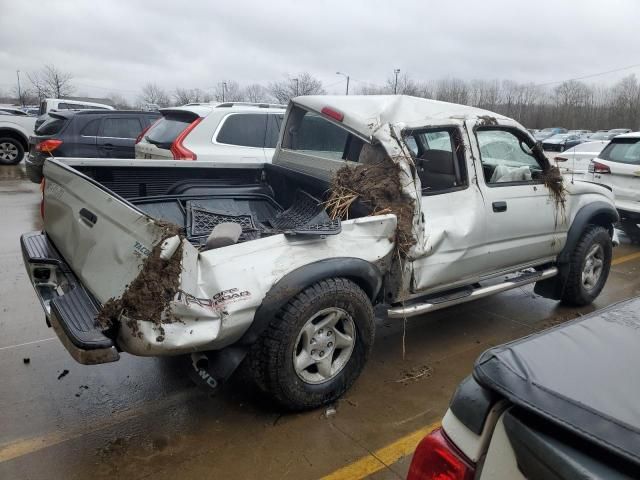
347	77
224	87
395	85
19	91
297	84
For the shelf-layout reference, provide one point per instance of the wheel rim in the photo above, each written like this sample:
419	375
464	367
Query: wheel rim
592	269
324	345
8	151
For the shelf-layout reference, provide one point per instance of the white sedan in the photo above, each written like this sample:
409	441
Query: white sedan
574	162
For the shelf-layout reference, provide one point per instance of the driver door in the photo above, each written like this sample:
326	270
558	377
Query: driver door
524	222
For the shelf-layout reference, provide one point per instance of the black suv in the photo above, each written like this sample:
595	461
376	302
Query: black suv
86	134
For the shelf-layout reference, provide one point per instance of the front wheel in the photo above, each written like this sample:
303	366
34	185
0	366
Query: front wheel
589	267
316	346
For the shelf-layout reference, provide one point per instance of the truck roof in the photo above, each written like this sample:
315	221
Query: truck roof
363	113
580	375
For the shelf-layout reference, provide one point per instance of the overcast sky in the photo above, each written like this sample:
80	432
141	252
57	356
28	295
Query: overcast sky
119	45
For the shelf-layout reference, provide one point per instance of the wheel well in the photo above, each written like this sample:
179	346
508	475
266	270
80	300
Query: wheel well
7	133
604	220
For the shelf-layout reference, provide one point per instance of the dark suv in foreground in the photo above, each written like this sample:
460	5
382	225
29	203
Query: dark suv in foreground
86	133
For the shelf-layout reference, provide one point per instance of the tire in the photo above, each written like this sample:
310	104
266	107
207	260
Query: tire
585	281
11	151
296	336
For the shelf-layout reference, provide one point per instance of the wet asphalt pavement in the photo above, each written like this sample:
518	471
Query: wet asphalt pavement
143	418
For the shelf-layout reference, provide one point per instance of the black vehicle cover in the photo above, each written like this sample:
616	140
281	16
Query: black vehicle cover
583	375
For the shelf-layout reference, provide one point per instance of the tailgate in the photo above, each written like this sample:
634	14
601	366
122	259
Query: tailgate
102	237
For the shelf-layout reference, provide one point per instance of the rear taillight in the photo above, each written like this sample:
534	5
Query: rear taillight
597	167
43	184
48	146
145	130
436	458
179	151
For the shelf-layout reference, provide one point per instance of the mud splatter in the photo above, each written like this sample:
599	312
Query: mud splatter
151	292
552	179
376	187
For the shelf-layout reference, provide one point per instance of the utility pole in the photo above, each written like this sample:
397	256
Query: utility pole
19	91
297	84
395	85
347	77
224	87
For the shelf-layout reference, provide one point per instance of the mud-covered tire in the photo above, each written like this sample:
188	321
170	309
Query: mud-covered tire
580	287
11	151
272	358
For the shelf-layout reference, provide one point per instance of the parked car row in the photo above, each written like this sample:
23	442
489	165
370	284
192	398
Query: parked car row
556	139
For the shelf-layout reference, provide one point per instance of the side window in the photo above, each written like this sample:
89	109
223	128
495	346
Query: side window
91	128
506	158
121	127
439	158
64	106
316	136
246	130
273	130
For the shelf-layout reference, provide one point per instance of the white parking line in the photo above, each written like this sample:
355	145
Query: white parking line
28	343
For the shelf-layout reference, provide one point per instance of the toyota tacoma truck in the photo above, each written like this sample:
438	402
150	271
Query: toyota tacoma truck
556	405
405	202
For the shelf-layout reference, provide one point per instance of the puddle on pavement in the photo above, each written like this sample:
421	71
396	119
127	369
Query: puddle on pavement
12	172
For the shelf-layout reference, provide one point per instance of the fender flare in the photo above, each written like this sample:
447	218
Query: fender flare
363	273
599	213
14	132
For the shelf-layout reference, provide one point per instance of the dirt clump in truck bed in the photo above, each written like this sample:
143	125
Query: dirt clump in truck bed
149	295
376	185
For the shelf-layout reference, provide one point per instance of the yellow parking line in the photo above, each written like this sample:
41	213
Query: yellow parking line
626	258
382	458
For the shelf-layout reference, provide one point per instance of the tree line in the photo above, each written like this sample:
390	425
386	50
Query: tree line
571	104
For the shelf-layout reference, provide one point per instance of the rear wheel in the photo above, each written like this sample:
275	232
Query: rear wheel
316	346
589	267
11	151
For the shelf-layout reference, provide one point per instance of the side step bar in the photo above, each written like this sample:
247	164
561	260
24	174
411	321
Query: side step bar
436	303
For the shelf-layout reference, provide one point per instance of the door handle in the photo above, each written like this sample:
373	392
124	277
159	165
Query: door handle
88	217
499	206
108	146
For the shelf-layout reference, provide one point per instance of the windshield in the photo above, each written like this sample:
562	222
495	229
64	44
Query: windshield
625	150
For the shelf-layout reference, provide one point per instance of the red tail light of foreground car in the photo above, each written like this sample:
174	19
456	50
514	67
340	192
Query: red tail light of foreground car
436	458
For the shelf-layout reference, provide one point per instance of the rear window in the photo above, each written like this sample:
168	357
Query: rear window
621	150
246	130
317	136
51	126
167	129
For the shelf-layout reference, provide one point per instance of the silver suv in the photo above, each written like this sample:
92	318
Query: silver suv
237	132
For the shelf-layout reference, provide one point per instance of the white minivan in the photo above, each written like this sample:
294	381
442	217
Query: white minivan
49	104
618	167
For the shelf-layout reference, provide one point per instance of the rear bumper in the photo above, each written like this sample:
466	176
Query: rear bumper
68	307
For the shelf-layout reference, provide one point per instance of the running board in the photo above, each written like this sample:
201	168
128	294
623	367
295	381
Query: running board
463	296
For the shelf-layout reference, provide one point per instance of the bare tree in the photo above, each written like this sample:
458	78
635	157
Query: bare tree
182	96
256	93
228	91
25	96
303	84
153	94
120	102
51	82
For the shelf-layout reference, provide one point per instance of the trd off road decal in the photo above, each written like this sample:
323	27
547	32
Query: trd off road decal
220	299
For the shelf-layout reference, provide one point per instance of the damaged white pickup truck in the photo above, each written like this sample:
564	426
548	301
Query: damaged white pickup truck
411	203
